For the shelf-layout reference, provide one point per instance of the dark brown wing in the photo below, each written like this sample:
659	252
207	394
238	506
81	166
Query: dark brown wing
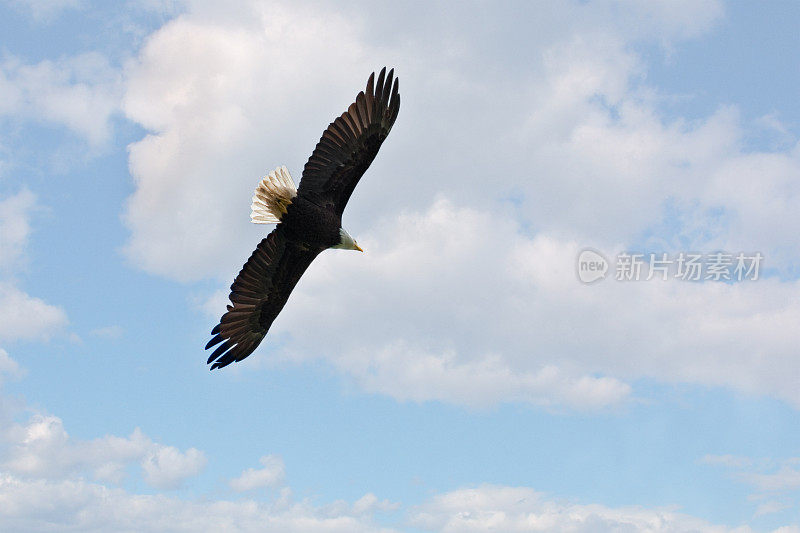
350	143
258	294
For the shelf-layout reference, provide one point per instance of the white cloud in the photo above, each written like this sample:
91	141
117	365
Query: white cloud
369	503
43	487
21	316
398	320
26	317
786	477
39	505
81	93
271	475
280	74
50	481
8	367
582	148
42	449
406	374
166	467
776	482
36	505
186	203
512	509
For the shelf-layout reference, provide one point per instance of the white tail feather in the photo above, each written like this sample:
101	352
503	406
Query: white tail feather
273	196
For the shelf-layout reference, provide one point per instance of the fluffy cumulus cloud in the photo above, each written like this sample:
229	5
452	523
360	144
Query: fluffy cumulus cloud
80	505
194	171
526	329
85	506
271	474
22	316
517	509
50	481
450	346
166	467
41	448
26	317
38	449
563	146
80	93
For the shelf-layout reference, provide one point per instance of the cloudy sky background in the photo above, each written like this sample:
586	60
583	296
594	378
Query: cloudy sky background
457	376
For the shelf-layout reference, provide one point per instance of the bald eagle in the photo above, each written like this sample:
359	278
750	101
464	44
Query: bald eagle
308	218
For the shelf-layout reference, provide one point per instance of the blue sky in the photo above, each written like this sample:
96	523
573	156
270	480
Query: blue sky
457	376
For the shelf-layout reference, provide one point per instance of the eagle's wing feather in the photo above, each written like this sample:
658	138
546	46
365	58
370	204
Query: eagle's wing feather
258	294
350	143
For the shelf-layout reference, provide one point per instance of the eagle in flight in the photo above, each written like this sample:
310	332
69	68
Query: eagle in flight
308	218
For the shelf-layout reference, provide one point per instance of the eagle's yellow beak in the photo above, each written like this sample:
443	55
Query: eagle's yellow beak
358	247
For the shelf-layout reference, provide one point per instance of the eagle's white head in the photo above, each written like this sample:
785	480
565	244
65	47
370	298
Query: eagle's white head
346	242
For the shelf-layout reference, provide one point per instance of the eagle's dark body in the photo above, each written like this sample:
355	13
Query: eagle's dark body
308	224
312	222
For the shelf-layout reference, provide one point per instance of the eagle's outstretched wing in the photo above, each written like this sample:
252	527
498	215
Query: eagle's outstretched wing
350	143
258	294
